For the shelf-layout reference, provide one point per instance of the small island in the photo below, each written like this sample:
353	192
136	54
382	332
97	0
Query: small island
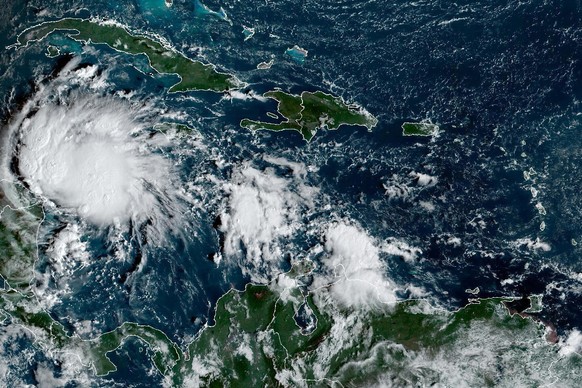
419	129
297	53
265	65
194	75
308	112
52	51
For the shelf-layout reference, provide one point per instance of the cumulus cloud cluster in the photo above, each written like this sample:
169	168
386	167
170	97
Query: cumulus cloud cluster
354	258
407	187
263	209
267	212
571	344
88	152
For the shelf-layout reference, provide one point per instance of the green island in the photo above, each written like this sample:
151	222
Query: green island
419	129
308	112
194	75
305	113
52	51
172	128
255	339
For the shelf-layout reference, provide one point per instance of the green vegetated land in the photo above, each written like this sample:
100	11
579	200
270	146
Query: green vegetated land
52	51
194	75
308	112
172	128
419	129
19	221
166	354
255	338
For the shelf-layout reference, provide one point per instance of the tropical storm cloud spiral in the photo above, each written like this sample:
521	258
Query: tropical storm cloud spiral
346	193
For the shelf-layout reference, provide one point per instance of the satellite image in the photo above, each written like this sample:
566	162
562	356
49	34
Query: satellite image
290	193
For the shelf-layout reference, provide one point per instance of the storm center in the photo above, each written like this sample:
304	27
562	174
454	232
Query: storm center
90	156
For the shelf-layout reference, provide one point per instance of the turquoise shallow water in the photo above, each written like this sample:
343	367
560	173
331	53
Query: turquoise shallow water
297	54
502	81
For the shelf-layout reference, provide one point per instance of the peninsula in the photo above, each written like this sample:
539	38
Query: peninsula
308	112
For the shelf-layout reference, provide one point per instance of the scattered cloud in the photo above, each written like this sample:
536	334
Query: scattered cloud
263	208
533	245
396	247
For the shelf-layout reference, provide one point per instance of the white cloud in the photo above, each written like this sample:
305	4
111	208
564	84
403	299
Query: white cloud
244	349
91	154
427	205
291	378
263	209
533	245
82	155
286	287
201	368
454	241
401	248
424	179
406	187
354	258
67	245
46	378
396	190
238	95
572	344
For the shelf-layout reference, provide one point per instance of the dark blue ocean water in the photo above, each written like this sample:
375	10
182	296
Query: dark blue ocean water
503	79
